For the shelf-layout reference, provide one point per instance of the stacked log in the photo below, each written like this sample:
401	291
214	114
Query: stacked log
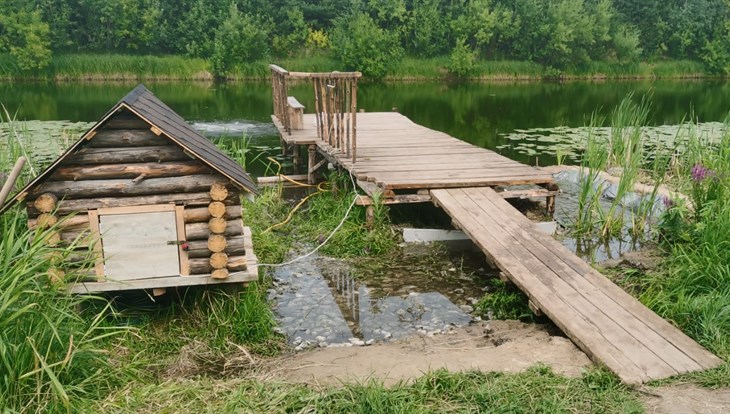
46	223
217	227
127	164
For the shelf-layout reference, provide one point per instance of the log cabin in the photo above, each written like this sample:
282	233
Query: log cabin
147	200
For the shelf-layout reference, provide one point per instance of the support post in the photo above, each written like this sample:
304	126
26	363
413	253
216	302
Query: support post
550	200
311	162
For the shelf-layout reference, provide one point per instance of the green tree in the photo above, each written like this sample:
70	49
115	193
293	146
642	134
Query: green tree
359	44
241	38
427	32
292	34
462	62
26	37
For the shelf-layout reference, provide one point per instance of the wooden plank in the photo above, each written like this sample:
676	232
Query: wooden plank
594	344
396	199
464	182
138	245
194	280
652	321
96	244
548	255
606	326
182	252
135	209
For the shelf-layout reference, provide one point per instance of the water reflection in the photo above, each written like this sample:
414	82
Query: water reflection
323	302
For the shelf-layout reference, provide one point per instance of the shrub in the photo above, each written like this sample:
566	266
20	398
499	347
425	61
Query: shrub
359	44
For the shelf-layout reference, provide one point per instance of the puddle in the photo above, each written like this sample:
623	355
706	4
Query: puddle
597	249
321	301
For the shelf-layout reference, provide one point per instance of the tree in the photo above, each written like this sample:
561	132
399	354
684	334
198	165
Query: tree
26	37
427	33
359	44
240	38
293	33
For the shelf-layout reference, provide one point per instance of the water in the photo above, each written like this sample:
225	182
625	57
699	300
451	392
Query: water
483	114
321	301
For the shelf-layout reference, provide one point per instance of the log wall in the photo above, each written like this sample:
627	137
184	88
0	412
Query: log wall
127	164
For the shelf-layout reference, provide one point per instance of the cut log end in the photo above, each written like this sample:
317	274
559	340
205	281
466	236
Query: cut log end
56	275
217	243
217	209
217	225
46	202
218	192
219	274
46	220
218	260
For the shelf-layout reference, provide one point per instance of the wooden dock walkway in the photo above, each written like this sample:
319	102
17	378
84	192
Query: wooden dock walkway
407	163
602	319
397	156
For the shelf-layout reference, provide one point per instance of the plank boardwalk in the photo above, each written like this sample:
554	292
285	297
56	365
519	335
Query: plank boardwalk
399	156
604	321
395	153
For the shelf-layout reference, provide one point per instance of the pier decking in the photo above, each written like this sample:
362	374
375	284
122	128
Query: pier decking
397	154
601	318
406	162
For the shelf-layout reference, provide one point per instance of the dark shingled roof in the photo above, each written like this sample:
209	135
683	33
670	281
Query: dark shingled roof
147	106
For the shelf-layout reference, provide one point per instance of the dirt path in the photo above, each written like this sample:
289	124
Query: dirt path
508	346
686	399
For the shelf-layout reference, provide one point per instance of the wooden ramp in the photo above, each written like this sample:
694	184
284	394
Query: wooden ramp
604	321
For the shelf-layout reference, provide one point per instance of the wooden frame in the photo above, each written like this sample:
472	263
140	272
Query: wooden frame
97	239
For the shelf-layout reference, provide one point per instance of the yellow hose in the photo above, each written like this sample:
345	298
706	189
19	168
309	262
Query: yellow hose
320	190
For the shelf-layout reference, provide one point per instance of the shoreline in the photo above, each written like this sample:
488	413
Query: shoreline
174	68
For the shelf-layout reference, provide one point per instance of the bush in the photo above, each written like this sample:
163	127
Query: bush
463	60
242	38
359	44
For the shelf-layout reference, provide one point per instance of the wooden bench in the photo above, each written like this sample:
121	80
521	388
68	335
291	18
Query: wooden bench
602	319
296	113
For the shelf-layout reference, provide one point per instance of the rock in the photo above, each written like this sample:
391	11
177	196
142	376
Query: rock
488	330
459	291
466	308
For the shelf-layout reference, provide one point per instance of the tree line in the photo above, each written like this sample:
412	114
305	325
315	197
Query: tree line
370	35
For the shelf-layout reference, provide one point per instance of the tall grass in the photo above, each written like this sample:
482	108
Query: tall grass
51	356
623	151
175	67
111	67
694	289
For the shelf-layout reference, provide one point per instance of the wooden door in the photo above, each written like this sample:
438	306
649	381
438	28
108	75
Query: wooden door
139	244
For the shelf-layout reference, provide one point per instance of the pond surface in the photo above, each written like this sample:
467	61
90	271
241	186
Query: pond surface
495	116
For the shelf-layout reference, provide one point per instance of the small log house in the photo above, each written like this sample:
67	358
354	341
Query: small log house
149	200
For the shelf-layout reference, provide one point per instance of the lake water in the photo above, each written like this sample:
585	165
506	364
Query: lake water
494	116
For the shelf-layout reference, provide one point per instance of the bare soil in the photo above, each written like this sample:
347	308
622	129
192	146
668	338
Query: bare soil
686	399
508	346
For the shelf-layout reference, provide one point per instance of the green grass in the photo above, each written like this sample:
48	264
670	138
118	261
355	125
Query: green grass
693	289
104	67
100	67
537	390
505	301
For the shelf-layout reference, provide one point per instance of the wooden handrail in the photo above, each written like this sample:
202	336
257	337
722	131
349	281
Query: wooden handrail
335	97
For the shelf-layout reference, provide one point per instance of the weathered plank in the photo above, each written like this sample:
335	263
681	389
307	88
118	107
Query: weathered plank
634	342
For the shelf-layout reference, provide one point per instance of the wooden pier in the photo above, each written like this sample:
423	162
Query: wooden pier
404	162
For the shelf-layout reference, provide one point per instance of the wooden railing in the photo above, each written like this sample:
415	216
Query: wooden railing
335	101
